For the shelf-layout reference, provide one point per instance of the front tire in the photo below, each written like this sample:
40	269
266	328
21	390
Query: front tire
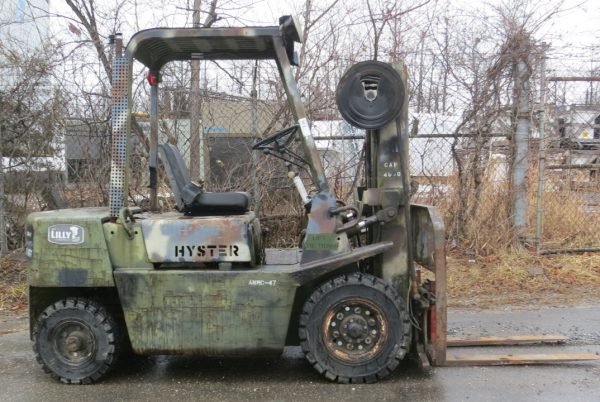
76	341
355	328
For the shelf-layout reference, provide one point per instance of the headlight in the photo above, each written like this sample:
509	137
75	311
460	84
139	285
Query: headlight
29	241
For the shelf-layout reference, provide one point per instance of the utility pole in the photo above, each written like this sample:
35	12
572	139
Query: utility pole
520	163
196	137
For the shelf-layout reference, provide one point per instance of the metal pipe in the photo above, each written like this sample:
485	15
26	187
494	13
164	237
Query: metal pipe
572	78
196	144
153	154
569	250
572	166
539	220
362	137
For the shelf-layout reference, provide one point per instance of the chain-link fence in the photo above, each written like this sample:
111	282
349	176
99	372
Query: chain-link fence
463	146
569	196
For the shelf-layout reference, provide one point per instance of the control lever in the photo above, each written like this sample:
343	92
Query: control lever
382	216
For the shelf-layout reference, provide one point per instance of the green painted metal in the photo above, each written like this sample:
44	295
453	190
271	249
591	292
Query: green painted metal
214	312
205	311
196	284
387	156
70	265
126	252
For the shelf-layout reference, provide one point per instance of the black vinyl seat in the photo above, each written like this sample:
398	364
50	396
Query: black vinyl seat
190	198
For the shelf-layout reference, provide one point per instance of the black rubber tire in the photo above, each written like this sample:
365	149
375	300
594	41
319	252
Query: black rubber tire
341	292
90	322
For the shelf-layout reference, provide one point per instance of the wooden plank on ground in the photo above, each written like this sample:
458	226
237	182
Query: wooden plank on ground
453	341
516	359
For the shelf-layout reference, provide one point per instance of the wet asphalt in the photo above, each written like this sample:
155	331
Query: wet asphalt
290	377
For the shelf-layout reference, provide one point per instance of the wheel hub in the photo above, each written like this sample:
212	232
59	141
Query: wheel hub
354	330
74	342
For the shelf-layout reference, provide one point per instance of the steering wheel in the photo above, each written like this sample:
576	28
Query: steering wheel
278	141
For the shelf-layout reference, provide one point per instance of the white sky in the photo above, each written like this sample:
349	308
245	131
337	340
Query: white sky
572	32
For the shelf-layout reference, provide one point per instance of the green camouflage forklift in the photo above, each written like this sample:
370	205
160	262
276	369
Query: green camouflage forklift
198	280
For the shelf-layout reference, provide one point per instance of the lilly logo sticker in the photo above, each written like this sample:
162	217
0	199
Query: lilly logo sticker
66	234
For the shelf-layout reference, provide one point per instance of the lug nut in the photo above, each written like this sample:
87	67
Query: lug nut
368	341
371	322
350	346
333	324
360	347
340	343
374	332
336	334
367	312
340	316
357	310
347	308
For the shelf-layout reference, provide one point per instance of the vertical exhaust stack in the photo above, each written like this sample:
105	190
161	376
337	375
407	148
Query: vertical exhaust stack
119	167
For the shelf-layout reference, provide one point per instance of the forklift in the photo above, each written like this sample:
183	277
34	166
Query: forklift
199	281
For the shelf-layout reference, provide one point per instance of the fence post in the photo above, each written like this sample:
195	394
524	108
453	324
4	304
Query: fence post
3	239
196	136
539	219
520	165
254	156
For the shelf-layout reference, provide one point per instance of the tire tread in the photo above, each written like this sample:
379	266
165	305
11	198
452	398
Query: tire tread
354	279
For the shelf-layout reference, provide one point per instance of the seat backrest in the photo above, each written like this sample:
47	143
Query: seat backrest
179	177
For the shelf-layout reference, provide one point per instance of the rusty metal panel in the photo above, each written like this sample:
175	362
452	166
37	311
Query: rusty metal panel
429	250
429	242
206	312
174	237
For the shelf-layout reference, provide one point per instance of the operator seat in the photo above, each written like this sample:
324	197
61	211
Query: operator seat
189	197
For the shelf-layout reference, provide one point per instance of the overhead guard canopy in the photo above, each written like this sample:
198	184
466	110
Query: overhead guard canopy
157	46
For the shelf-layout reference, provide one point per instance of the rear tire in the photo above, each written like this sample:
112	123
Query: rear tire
76	341
355	329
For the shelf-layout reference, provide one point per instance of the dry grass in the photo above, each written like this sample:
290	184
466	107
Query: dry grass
520	277
515	277
13	285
